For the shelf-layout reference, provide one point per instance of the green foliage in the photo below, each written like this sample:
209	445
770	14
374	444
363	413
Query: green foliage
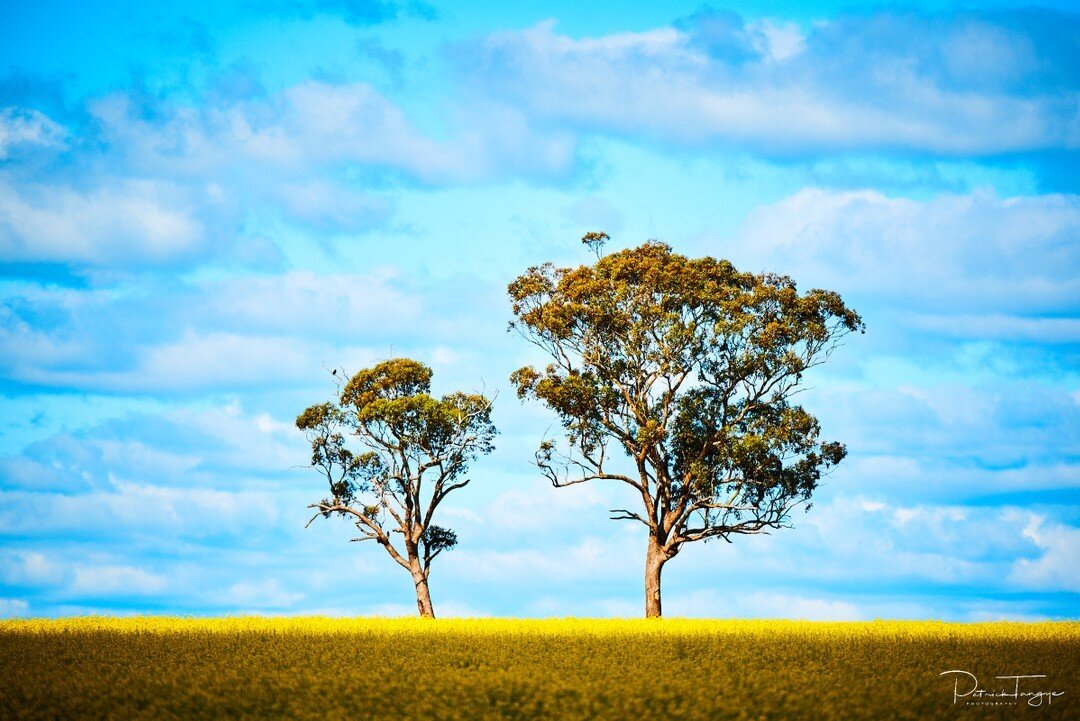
436	539
411	450
397	378
596	241
686	368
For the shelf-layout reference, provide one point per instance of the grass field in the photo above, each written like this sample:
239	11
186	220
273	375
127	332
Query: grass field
319	668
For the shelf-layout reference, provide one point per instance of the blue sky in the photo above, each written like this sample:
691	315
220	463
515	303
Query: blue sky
203	207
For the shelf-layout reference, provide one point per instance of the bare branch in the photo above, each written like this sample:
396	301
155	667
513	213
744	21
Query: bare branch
621	514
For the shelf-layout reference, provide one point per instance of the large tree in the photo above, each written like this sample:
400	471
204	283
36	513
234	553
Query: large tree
411	451
676	376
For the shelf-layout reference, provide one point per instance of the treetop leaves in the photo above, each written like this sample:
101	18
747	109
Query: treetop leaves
687	365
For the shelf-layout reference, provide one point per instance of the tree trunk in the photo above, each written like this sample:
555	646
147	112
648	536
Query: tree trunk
655	558
423	595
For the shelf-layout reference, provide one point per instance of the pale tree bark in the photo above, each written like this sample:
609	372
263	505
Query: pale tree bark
420	580
655	558
423	595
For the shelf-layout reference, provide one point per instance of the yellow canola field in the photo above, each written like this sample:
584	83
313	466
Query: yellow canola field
402	669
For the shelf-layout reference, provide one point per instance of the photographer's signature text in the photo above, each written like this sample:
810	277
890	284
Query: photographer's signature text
1013	689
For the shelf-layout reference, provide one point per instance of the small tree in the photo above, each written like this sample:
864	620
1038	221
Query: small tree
413	451
688	367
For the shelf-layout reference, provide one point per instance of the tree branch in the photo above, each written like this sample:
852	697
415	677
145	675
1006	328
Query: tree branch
622	514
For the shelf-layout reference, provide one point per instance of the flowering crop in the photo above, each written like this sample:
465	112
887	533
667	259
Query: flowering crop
257	667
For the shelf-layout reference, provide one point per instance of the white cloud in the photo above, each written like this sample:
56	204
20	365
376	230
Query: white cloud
13	608
224	333
260	595
777	40
171	184
199	361
135	510
957	439
26	126
186	447
540	508
978	251
303	302
222	358
131	453
360	125
760	604
849	540
30	568
1058	568
195	361
595	213
315	125
954	405
193	510
328	206
253	443
119	222
589	558
998	326
114	581
882	81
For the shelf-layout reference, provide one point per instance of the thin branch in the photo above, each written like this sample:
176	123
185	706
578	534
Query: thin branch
622	514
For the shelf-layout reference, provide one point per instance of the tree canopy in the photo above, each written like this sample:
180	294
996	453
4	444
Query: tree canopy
676	376
391	452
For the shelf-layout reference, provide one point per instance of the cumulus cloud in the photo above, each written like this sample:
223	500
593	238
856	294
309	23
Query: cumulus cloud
28	127
133	460
1058	566
13	607
998	326
158	183
178	488
88	576
30	568
195	361
122	223
264	594
885	82
965	252
540	508
317	124
326	206
331	305
917	551
245	331
593	558
565	551
92	581
133	510
1010	431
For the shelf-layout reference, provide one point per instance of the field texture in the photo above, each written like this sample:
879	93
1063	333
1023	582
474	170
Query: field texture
319	668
